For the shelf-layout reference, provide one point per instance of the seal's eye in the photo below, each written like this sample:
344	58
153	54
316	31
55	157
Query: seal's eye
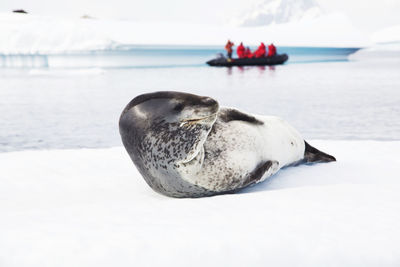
178	107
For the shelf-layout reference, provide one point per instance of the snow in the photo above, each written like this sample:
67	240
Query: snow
386	35
28	34
381	52
386	46
279	11
32	35
334	30
90	207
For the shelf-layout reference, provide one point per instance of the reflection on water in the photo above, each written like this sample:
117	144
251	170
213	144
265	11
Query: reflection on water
243	69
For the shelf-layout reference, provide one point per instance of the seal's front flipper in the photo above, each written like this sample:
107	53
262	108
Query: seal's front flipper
313	155
261	172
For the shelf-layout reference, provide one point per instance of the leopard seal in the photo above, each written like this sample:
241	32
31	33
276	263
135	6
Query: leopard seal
185	145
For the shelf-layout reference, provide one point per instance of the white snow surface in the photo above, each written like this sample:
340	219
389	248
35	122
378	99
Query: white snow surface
387	35
382	52
279	11
30	34
90	207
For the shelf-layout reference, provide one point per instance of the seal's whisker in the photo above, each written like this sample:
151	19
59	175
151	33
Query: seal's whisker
198	119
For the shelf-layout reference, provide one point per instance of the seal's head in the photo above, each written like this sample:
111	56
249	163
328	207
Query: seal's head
164	133
172	107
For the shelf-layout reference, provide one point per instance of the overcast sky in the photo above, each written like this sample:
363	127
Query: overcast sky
367	15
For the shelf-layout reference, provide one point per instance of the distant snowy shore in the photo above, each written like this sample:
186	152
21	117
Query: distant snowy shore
90	207
387	35
30	34
380	53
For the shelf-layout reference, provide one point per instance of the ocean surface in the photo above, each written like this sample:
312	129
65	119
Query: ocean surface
74	100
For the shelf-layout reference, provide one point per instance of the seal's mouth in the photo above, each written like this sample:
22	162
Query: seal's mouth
198	120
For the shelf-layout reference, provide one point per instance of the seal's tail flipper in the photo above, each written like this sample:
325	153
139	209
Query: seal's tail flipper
313	155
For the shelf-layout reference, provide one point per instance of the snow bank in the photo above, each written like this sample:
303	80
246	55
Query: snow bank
387	35
279	11
331	30
386	46
90	207
28	34
382	52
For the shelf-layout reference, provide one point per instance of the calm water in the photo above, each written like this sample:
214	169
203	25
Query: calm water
73	107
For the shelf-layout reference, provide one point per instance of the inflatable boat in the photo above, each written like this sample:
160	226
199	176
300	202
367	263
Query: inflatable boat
222	61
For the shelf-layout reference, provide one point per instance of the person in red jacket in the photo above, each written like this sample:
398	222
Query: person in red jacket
248	53
240	50
260	52
271	50
228	48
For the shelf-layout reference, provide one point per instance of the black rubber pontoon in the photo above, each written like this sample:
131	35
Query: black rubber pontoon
224	62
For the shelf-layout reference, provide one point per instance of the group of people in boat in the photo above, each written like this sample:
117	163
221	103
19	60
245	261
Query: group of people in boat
245	52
